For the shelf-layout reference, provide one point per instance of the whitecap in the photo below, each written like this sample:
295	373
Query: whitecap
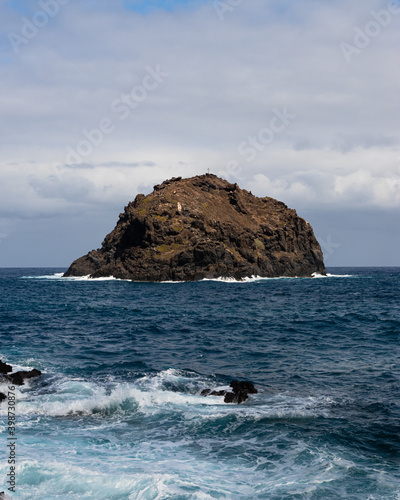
60	276
329	275
247	279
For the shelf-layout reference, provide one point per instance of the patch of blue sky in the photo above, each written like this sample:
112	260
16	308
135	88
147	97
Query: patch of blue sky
5	60
291	12
144	6
23	7
281	9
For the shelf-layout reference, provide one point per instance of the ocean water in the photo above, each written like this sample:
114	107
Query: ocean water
117	413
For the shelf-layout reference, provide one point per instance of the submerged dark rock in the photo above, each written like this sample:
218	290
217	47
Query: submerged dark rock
209	392
5	368
243	386
204	227
236	397
240	392
18	378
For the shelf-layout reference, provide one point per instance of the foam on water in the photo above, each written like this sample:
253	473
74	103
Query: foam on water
71	397
250	279
59	276
201	481
157	394
166	469
329	275
37	478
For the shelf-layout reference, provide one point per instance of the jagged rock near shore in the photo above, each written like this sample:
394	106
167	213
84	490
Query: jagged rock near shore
204	227
239	393
5	368
18	378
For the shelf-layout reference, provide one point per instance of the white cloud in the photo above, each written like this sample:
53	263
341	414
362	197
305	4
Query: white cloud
366	189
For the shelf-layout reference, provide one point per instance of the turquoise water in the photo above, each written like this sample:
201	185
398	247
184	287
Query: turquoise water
117	412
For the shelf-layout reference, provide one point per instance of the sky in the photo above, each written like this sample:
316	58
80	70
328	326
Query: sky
293	99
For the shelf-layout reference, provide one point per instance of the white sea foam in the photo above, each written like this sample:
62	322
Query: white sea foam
254	279
76	397
171	469
328	275
249	279
89	278
169	390
73	398
127	478
60	276
101	401
186	381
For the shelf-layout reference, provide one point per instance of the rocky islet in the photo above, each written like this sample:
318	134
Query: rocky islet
204	227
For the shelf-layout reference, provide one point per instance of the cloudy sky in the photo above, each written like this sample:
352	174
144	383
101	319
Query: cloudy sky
102	99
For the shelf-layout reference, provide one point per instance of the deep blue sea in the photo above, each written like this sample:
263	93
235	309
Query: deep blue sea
117	413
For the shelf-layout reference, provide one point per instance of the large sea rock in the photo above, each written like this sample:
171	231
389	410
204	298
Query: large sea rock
204	227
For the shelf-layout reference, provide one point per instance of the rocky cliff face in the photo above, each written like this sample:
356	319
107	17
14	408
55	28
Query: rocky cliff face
204	227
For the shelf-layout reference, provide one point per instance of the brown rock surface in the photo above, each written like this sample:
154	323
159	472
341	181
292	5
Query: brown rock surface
204	227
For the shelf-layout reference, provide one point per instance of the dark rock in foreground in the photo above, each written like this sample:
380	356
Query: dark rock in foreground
243	386
5	368
240	392
204	227
2	397
18	378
